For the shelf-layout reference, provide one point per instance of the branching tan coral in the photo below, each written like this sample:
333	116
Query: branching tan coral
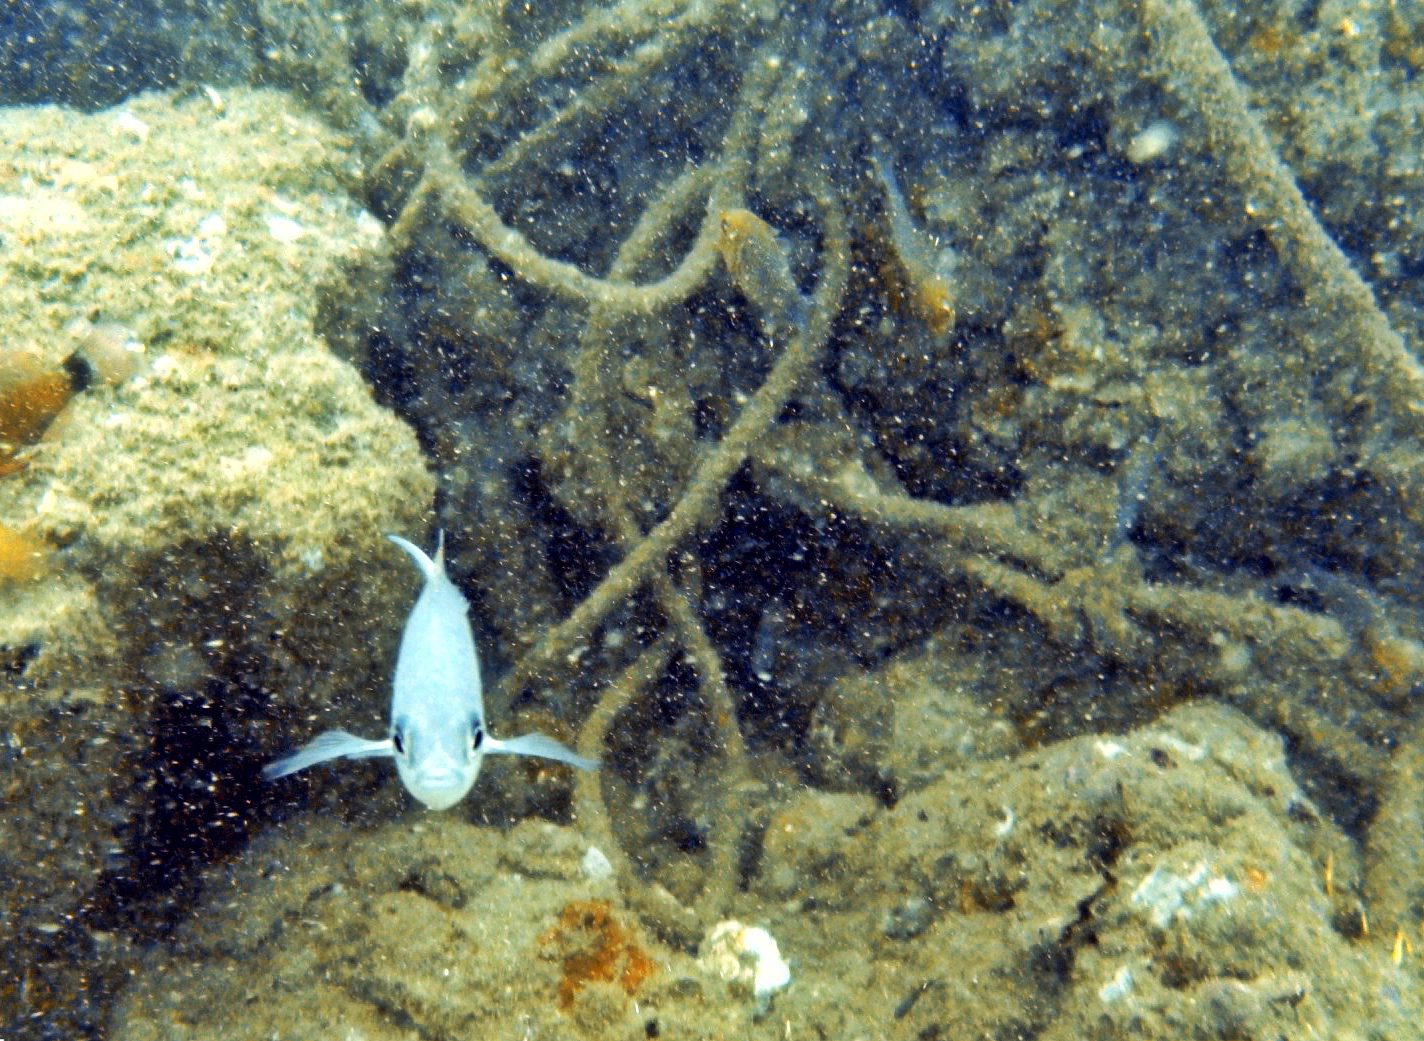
608	299
1191	64
1068	381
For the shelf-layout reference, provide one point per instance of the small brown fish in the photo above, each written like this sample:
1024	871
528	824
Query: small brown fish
757	262
928	265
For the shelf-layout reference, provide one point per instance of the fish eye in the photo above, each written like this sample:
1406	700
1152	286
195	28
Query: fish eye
398	740
477	738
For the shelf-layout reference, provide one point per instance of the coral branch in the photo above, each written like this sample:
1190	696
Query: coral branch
1193	66
658	908
700	497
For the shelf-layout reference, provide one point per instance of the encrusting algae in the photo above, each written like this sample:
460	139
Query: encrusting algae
23	558
594	947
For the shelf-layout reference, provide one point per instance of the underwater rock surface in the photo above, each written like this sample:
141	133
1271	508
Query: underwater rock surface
819	398
213	524
795	380
1166	883
1169	883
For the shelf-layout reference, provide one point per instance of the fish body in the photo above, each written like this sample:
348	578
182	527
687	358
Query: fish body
757	262
928	266
438	735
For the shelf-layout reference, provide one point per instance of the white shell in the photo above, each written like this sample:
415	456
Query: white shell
746	955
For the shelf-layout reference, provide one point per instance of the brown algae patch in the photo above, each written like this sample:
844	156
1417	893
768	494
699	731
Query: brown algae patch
593	945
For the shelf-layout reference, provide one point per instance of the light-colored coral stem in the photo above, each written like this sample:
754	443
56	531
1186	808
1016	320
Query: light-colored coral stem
1394	885
658	908
697	502
1191	64
463	201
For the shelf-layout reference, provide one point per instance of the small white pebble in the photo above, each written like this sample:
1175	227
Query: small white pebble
595	865
1152	142
1109	750
369	227
1183	748
131	125
1220	888
189	257
284	229
195	256
284	205
1234	656
422	120
746	955
1120	986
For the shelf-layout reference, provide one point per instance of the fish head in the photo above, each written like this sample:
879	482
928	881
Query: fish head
438	762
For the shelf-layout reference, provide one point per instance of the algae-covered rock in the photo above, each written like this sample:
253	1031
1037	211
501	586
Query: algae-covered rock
425	927
899	728
1133	421
213	523
1172	882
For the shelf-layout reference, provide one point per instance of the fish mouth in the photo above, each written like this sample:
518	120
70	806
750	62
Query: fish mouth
440	788
437	775
439	780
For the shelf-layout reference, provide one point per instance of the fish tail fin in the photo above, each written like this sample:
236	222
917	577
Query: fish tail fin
429	568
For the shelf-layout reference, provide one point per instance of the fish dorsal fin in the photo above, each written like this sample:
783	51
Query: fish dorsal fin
429	568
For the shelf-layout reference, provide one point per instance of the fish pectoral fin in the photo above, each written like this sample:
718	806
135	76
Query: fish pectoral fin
539	745
333	744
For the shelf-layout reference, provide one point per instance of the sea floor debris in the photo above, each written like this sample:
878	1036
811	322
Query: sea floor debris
711	455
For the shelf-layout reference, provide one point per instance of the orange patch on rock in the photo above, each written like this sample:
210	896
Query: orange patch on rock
23	558
31	395
593	946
